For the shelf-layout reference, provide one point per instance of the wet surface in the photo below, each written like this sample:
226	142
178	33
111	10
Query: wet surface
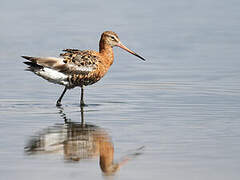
78	141
181	105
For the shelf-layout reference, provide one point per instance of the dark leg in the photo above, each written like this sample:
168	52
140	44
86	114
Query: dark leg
60	98
81	101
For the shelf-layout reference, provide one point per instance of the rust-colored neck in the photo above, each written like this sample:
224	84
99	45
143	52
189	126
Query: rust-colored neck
106	50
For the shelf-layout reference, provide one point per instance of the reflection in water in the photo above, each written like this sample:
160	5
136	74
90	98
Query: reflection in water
76	141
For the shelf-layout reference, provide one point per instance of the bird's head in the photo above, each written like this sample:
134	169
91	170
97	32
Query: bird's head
112	39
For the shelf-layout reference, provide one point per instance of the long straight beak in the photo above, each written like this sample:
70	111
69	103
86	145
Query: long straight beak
130	51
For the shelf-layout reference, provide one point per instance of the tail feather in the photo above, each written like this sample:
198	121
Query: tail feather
27	57
33	66
50	62
32	59
43	70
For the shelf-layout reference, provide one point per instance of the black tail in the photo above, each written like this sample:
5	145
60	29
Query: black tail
27	57
32	65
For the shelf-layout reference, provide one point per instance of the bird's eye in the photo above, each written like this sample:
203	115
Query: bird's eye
112	38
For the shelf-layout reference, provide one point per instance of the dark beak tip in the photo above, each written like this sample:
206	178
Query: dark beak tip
140	57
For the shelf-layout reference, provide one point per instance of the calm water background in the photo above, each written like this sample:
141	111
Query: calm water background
182	104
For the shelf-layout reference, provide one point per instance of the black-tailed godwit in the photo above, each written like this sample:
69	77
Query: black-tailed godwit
76	67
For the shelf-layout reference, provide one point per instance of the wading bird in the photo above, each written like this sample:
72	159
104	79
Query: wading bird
76	67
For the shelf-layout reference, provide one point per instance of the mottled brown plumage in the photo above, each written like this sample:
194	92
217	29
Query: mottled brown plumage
87	61
78	68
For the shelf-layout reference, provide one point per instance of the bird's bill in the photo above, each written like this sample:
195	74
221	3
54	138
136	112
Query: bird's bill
130	51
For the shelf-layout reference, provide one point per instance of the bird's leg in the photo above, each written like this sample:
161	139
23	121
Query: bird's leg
60	98
81	101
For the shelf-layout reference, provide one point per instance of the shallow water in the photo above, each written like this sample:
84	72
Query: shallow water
175	116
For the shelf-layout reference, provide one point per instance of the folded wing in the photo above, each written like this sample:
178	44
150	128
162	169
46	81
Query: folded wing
73	61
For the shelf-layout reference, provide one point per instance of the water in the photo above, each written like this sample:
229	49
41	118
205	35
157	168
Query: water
175	116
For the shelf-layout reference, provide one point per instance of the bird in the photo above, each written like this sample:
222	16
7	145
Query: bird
78	68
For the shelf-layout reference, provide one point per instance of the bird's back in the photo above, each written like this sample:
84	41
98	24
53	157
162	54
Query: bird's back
81	58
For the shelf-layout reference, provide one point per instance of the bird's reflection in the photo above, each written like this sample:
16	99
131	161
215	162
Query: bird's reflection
77	141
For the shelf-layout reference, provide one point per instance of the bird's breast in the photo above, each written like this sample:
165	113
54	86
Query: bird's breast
86	79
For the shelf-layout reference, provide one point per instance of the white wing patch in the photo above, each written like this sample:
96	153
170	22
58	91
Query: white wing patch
80	69
84	69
